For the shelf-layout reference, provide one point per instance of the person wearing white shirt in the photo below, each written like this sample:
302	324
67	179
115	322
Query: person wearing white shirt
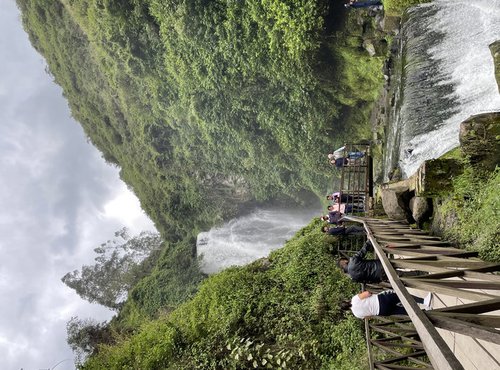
387	303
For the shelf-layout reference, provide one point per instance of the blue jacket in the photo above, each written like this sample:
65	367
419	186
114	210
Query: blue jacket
364	4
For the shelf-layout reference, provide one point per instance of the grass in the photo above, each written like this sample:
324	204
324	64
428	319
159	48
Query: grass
397	7
474	205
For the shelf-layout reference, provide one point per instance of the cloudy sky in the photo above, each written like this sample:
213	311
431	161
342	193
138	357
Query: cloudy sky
58	201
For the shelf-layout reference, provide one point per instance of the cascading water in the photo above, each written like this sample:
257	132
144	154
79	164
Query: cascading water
247	238
448	76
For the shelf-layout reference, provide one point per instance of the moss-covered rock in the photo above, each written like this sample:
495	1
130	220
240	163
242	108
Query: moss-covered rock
437	176
480	139
495	51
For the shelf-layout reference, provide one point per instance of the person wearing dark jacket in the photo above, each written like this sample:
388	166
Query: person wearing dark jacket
363	270
342	230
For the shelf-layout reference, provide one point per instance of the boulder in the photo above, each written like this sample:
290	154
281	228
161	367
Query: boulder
420	208
396	204
369	47
480	139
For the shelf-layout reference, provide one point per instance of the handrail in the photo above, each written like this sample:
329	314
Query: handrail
440	355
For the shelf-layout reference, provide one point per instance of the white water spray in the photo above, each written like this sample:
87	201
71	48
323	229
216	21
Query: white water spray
247	238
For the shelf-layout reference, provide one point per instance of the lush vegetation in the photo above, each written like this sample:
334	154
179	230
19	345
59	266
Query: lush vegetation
208	105
473	210
397	7
280	312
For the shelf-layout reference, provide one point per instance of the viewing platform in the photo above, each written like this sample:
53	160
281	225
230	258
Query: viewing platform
461	330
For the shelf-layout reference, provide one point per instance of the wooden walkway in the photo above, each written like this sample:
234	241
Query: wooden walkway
461	331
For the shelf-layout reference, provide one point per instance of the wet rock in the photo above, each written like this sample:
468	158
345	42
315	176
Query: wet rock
396	204
395	174
369	47
391	24
495	51
260	265
420	208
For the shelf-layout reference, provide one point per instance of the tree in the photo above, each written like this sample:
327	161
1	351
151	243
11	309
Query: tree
120	264
84	336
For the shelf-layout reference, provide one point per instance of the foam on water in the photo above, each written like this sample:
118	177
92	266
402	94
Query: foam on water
449	75
247	238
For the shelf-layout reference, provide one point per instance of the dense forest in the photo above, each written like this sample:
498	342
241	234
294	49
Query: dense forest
209	107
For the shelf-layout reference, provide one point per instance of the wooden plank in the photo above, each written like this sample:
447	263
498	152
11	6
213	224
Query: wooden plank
491	321
409	242
437	257
475	308
418	252
392	330
402	263
458	263
396	333
459	273
402	357
453	292
442	275
384	230
481	275
402	236
466	328
402	345
465	284
407	338
393	319
399	367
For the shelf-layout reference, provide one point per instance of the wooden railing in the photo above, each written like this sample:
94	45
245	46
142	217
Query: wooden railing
413	340
356	177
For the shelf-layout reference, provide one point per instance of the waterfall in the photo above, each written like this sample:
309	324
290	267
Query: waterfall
447	76
250	237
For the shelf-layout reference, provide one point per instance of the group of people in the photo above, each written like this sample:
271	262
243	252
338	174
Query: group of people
366	304
340	157
372	4
342	203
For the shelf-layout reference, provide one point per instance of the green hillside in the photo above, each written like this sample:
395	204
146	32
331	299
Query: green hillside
206	106
280	312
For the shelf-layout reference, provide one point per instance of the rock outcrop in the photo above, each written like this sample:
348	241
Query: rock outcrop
495	51
396	204
480	139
